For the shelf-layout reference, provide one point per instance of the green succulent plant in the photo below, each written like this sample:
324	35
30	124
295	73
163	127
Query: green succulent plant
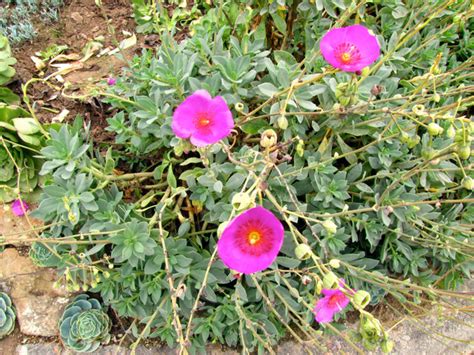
7	315
6	61
42	256
20	138
84	325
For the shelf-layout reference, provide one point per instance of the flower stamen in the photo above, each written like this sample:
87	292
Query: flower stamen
346	57
254	237
203	121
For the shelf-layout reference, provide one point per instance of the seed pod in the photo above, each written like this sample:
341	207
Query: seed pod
451	132
282	122
468	183
335	263
329	226
464	151
330	280
303	251
361	298
268	138
435	129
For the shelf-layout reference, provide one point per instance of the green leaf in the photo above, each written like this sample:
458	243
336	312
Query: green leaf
254	126
26	125
279	22
170	178
267	89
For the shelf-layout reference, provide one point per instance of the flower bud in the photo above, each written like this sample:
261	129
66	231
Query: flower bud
106	274
413	141
365	72
451	132
329	226
405	137
387	346
111	266
436	97
428	153
468	183
76	287
303	251
376	90
221	228
85	287
282	122
464	151
300	148
361	298
268	138
435	129
345	100
330	280
319	287
306	280
335	263
241	201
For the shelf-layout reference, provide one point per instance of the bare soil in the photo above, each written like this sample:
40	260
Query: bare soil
80	22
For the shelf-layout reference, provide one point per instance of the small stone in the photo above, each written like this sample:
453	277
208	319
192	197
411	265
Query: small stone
76	16
38	304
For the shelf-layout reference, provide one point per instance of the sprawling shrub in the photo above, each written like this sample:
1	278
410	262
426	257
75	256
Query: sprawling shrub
368	170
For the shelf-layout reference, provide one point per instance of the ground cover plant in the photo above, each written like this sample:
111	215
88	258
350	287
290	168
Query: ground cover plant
287	163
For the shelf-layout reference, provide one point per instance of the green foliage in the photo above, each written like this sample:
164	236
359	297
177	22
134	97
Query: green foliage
154	16
20	137
354	173
16	18
7	315
84	325
6	61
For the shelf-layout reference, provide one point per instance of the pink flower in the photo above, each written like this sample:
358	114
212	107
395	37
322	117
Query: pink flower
350	48
19	208
203	119
251	241
111	81
333	302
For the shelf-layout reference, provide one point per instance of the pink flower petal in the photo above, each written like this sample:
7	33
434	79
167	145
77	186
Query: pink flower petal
19	208
356	40
200	107
235	250
323	313
334	301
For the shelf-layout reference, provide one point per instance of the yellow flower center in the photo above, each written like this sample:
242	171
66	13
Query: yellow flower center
346	57
254	237
203	121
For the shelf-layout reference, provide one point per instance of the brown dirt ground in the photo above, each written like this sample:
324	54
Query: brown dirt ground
80	22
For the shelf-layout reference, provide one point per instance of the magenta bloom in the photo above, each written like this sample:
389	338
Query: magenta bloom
350	48
251	241
19	208
333	302
203	119
111	81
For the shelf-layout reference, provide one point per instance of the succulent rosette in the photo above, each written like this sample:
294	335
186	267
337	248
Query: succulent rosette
7	315
84	325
